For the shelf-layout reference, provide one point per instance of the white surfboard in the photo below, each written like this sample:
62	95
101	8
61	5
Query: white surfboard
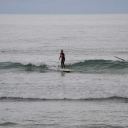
64	70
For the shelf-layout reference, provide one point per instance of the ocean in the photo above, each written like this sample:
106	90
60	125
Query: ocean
34	93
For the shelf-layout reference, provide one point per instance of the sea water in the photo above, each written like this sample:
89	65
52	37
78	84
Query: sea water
34	93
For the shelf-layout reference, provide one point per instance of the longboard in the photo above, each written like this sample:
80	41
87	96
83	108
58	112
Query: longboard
64	70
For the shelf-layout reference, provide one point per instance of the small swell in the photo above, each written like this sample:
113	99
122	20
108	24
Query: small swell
113	98
7	124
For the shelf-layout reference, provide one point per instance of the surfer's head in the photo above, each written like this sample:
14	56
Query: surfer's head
61	50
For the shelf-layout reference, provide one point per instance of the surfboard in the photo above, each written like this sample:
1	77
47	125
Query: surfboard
64	70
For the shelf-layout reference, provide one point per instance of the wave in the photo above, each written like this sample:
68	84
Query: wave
7	124
100	66
113	98
87	66
23	67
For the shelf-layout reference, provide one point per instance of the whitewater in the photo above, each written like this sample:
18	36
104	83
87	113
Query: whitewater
34	93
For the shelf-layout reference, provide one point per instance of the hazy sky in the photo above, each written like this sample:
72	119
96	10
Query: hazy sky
63	6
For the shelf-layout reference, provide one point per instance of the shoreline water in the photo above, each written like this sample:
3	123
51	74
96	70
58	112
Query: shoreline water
65	114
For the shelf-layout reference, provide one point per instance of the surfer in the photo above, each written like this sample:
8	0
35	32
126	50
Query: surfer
62	56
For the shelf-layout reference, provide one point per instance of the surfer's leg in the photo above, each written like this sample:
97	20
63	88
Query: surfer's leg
61	63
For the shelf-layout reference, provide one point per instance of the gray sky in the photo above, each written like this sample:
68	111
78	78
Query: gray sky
63	6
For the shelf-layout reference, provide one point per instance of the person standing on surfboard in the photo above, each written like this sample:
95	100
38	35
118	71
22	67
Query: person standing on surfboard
62	56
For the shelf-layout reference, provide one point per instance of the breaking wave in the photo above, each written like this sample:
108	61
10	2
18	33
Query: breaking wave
87	66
